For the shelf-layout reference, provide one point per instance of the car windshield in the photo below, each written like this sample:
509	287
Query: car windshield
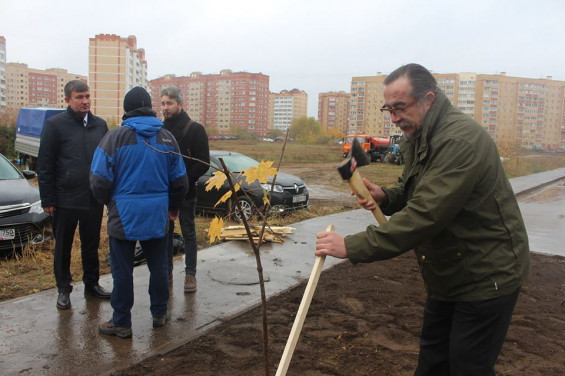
349	140
238	163
7	170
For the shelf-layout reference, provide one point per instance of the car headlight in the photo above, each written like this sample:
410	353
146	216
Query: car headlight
36	207
277	188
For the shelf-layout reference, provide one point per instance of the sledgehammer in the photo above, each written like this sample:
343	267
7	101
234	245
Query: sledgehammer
348	171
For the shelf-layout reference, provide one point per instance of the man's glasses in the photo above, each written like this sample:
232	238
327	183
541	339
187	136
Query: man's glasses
397	109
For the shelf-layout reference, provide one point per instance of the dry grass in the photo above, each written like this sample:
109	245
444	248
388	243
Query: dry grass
33	270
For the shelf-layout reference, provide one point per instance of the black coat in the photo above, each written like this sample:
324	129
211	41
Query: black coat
65	154
193	143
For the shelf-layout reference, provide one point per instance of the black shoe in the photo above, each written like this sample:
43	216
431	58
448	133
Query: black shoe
64	300
97	292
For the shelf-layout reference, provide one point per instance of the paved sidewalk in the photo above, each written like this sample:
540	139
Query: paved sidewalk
38	339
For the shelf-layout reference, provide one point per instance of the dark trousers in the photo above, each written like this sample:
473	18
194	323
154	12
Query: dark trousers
187	214
65	222
122	255
463	338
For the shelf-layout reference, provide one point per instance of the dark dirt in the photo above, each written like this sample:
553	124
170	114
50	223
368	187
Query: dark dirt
365	320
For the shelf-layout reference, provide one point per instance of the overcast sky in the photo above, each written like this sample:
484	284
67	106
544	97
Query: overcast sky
312	45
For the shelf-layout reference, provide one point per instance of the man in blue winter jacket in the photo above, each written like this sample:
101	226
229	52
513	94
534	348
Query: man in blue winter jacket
136	173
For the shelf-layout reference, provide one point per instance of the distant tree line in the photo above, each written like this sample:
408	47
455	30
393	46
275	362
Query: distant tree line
8	119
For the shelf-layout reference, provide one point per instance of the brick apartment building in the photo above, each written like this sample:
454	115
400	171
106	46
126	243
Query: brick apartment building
333	110
285	106
223	101
28	87
522	111
2	72
115	65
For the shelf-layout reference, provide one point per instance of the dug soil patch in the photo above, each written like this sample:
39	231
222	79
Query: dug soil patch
365	320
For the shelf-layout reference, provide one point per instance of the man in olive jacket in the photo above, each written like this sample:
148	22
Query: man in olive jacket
68	141
455	207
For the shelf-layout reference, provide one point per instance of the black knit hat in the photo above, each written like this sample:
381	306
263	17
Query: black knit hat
136	98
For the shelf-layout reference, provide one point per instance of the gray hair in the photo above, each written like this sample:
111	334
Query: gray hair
77	86
420	78
173	93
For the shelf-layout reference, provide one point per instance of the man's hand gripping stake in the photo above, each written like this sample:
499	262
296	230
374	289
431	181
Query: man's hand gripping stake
348	171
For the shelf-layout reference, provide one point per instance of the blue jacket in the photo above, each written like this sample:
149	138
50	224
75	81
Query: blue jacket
134	174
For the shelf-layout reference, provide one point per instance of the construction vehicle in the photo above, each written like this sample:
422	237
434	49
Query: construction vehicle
375	147
28	133
393	154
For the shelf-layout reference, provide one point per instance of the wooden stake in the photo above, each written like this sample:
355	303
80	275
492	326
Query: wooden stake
302	312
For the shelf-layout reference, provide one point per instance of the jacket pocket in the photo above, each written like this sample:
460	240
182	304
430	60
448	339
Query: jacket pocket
510	219
77	179
445	269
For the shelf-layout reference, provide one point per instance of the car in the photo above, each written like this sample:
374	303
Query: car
22	219
289	194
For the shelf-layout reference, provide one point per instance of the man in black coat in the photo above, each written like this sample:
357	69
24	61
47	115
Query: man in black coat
66	148
193	142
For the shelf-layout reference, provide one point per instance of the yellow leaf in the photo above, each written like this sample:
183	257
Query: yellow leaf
265	200
224	198
227	195
261	172
215	229
216	181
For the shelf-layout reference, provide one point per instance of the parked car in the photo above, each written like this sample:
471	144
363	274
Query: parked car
290	192
22	219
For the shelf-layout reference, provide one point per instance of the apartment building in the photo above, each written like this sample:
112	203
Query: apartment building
365	102
223	101
28	87
516	111
333	110
115	65
2	72
285	106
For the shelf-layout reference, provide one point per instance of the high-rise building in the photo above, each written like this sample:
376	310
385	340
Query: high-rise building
115	65
28	87
224	101
366	100
285	106
333	110
2	72
524	112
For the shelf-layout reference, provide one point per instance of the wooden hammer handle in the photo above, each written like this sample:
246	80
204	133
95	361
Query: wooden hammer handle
360	190
302	312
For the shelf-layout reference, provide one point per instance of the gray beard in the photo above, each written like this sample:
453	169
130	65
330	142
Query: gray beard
414	136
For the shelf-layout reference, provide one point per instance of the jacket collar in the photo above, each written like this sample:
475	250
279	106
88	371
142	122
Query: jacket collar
430	124
176	124
77	116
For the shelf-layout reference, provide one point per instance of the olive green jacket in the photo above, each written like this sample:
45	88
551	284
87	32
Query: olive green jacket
455	207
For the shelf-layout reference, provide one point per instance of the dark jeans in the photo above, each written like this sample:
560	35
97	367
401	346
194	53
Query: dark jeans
122	255
188	230
65	222
463	338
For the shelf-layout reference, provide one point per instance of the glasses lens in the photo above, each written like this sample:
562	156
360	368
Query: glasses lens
388	109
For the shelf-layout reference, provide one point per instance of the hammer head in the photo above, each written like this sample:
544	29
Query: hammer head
356	158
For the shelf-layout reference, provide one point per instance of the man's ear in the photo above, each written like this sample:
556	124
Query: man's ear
430	97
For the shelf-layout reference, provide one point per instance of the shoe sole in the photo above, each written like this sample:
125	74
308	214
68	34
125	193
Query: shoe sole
63	308
91	295
190	290
160	324
114	333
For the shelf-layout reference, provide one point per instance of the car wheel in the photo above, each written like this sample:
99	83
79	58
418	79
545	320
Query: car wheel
246	207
